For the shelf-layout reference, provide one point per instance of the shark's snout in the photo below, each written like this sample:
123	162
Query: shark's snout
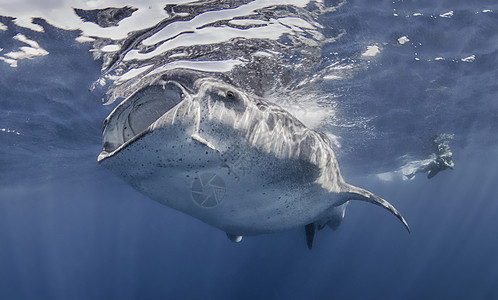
135	114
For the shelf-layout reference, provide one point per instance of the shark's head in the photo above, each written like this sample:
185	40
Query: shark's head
207	102
193	95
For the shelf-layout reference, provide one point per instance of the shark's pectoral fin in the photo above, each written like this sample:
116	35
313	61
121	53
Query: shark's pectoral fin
234	238
201	140
356	193
310	234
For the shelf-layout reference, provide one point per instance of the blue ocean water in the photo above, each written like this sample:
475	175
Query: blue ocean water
385	76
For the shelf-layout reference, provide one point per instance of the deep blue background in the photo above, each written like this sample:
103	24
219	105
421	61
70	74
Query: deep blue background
71	230
93	237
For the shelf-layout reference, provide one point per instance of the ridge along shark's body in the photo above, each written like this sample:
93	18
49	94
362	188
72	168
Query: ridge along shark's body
199	145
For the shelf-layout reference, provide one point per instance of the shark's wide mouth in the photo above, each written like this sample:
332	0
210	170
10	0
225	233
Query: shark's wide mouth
134	115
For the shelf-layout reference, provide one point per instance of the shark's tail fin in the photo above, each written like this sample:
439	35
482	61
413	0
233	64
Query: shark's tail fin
356	193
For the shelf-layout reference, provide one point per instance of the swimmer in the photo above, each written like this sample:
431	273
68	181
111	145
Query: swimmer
440	160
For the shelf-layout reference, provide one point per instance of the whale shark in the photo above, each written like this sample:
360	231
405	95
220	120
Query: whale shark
196	143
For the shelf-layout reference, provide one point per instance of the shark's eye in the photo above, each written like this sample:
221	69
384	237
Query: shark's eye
230	95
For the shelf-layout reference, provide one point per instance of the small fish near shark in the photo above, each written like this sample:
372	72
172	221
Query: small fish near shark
192	141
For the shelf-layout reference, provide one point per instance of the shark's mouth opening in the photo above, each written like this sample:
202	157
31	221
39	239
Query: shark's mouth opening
135	114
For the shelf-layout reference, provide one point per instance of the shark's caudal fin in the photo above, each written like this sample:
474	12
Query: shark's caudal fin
356	193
